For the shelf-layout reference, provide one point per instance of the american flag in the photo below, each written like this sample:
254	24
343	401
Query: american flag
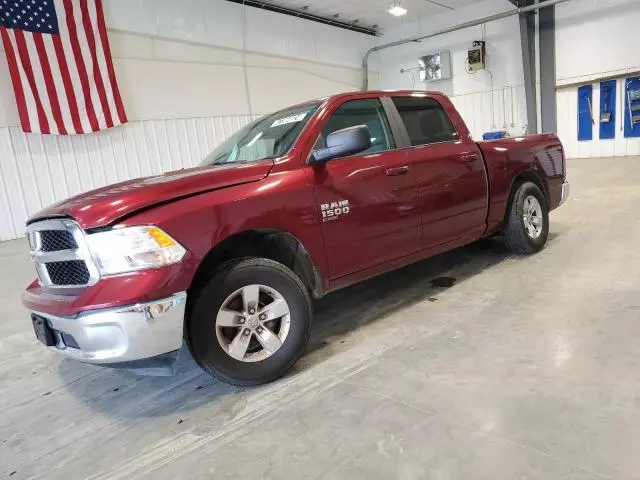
60	65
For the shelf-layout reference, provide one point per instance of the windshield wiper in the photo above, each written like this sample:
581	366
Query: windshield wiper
217	160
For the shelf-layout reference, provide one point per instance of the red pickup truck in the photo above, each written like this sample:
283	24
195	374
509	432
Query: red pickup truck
226	256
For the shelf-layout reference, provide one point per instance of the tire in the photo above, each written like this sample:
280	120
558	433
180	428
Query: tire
518	234
211	344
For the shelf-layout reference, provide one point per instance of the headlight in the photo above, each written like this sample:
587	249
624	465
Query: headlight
133	248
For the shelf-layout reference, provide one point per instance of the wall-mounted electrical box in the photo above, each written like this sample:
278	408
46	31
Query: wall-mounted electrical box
476	57
434	67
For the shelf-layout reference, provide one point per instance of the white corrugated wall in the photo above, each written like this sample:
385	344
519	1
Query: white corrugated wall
38	170
491	110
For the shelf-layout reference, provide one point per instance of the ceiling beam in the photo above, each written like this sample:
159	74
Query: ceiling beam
303	13
440	3
522	3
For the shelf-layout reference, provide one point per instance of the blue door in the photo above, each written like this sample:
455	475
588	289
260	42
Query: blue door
585	113
632	107
608	110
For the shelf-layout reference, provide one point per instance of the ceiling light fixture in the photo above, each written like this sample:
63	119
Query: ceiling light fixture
396	9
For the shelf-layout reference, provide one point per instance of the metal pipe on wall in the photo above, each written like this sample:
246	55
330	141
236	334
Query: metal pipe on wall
472	23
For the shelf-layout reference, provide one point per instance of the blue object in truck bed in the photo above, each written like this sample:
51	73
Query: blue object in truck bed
494	135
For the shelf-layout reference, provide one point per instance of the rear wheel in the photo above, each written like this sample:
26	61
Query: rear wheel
250	322
527	223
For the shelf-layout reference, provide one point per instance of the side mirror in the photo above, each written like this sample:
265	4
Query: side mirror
344	142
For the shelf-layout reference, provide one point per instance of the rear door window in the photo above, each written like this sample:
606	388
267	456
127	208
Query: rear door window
425	120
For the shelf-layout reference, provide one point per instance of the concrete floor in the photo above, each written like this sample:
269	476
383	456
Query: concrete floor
524	368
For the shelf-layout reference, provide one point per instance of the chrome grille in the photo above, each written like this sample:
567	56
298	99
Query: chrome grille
55	240
62	258
73	272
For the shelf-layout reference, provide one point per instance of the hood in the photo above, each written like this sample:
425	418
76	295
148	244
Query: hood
105	205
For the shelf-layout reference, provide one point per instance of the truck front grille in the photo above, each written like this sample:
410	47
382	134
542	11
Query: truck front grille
73	272
55	240
62	258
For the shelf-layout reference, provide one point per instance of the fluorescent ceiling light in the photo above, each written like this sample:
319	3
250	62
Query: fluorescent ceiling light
396	9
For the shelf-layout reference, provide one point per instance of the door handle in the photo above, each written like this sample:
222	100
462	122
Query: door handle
392	172
469	158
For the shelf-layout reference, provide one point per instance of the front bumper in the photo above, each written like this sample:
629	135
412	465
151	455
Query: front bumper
566	189
120	334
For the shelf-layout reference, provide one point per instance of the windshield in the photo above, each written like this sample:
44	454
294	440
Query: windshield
268	137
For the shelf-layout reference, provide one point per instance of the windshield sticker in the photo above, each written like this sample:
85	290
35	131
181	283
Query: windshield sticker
290	119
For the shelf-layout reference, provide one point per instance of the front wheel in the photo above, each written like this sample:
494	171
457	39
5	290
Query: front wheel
527	223
250	322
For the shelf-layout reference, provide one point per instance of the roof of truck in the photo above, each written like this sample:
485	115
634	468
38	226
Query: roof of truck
367	93
360	93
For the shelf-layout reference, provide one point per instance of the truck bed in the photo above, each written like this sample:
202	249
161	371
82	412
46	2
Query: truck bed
510	158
